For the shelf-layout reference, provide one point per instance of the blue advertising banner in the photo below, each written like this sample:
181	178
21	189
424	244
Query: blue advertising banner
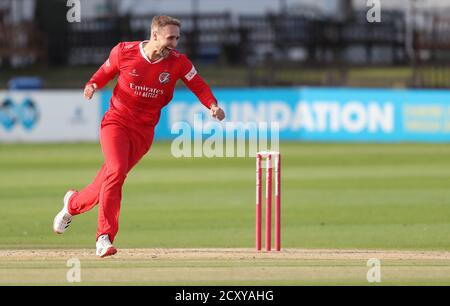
322	114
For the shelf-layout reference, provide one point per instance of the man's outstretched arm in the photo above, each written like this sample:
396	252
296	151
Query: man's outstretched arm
203	92
104	74
199	87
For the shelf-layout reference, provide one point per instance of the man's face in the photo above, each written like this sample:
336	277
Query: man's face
167	38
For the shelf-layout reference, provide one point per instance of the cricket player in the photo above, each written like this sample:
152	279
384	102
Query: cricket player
148	72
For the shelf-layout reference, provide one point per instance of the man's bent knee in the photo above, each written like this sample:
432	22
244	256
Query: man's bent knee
116	174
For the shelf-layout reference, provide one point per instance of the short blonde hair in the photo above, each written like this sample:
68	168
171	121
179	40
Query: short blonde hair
161	21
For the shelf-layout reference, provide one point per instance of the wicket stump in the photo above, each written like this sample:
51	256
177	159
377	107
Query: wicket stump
277	158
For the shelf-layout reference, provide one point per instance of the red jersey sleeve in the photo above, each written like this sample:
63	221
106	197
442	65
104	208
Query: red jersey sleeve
195	83
108	70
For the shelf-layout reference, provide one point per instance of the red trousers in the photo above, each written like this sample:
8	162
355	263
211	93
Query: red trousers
122	148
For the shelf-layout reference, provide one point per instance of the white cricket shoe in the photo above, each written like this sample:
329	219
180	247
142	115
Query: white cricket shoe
63	218
105	247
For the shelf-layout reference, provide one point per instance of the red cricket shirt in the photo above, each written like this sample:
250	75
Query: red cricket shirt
144	87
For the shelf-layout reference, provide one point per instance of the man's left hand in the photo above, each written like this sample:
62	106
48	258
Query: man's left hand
217	112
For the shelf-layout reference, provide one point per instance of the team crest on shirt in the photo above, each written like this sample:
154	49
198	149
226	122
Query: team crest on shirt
164	77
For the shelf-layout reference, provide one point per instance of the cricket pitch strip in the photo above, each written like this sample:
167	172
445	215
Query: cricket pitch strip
225	266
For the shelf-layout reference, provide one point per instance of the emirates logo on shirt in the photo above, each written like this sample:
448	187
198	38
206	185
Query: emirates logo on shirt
164	77
145	91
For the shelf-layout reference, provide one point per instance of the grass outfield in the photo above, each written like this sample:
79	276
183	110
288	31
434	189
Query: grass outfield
334	196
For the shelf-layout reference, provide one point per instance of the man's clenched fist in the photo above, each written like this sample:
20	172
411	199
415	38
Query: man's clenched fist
89	91
217	112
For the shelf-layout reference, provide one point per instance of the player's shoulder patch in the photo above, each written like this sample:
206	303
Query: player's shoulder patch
191	74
